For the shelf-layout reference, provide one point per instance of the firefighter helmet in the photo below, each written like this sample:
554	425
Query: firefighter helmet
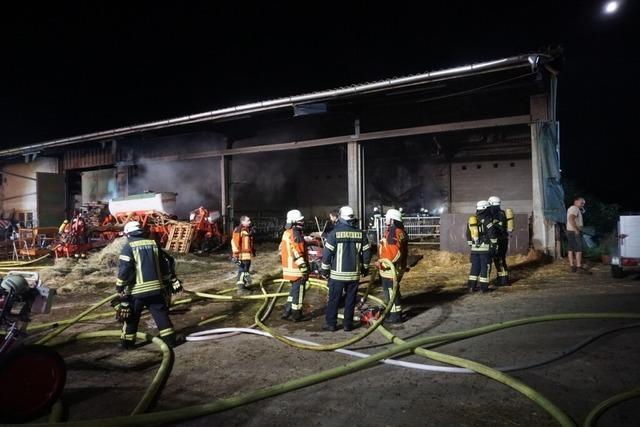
346	212
482	205
14	283
294	216
494	201
393	214
132	227
245	221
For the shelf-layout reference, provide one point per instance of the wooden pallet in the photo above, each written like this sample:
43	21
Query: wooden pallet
180	238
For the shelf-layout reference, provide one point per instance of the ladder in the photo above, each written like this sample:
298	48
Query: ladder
180	238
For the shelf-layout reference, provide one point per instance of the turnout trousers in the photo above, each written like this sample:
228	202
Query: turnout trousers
244	278
336	290
500	261
480	270
395	315
157	305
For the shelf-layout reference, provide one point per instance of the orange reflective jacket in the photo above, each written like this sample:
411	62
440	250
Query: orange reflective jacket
395	248
293	253
242	243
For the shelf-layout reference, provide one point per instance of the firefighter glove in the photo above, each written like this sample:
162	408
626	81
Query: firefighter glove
176	285
235	260
364	271
123	310
325	273
304	268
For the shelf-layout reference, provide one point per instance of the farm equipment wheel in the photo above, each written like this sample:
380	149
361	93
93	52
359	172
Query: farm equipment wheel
31	380
616	272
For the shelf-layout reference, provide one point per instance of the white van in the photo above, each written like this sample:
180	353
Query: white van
628	254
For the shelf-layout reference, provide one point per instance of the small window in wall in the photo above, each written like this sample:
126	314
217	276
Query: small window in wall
25	219
513	165
464	168
478	166
495	165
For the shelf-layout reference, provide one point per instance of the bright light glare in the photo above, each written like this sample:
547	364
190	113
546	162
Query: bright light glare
611	7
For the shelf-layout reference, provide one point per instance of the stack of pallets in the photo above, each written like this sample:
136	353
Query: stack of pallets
180	237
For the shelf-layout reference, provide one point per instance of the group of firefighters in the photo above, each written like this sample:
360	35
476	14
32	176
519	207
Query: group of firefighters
146	274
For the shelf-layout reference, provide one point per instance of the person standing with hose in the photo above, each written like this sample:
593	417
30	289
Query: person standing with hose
142	277
346	257
242	247
394	247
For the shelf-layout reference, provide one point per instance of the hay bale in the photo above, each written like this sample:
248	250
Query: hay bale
107	258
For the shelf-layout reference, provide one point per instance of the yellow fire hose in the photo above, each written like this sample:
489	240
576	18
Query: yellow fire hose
400	347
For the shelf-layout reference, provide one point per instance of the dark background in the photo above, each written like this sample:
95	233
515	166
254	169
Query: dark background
70	68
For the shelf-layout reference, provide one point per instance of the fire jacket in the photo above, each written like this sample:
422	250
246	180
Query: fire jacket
394	247
500	220
487	234
242	243
143	268
347	252
293	253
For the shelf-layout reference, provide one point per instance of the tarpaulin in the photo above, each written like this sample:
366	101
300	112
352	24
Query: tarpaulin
549	151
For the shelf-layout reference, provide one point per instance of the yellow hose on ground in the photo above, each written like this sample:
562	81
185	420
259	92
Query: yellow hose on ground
329	347
596	412
159	379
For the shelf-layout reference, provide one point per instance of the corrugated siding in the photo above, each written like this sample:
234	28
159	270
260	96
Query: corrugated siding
89	157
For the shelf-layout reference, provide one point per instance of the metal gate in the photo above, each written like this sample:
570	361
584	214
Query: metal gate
423	230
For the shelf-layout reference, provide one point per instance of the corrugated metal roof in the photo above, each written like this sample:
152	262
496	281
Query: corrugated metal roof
381	85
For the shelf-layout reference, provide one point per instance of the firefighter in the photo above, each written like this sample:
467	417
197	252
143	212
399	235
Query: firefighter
143	273
482	239
394	246
504	222
243	249
295	264
346	257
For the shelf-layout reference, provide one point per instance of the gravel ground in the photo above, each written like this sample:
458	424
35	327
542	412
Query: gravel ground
106	382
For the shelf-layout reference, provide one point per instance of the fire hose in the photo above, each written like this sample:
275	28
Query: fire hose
399	348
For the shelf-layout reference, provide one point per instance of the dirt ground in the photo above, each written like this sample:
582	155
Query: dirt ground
104	381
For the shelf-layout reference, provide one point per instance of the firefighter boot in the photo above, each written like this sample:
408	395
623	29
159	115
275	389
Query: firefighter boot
241	289
247	279
127	345
297	316
287	311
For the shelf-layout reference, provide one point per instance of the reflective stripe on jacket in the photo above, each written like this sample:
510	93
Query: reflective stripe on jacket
488	233
394	247
346	251
242	243
292	253
139	270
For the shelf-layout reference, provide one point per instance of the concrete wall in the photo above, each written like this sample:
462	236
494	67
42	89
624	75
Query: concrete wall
19	194
476	180
453	234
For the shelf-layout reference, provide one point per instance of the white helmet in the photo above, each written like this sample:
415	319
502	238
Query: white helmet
294	216
482	205
494	201
245	221
392	214
346	212
132	227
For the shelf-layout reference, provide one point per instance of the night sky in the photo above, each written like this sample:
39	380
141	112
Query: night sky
75	68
